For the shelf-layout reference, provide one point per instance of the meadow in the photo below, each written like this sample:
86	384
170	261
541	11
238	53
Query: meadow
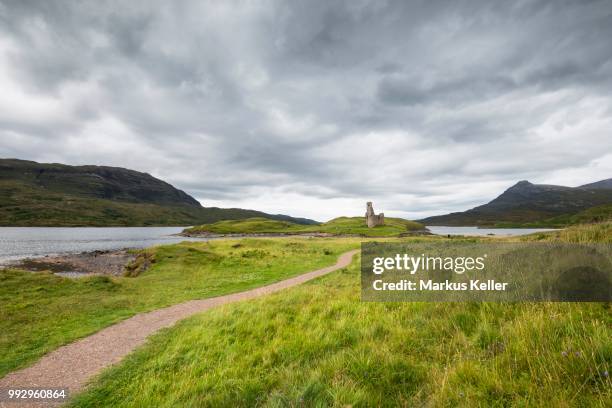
41	311
316	344
319	345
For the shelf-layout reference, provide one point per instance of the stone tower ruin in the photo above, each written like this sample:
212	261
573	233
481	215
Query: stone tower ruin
372	219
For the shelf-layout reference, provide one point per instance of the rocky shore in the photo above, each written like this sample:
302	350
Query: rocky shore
111	263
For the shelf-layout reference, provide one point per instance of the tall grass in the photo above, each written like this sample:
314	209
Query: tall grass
582	234
40	311
319	345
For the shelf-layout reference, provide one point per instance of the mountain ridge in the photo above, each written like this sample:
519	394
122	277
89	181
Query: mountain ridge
525	202
54	194
106	182
601	184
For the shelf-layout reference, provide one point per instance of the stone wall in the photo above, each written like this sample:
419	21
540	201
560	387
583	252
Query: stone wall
372	219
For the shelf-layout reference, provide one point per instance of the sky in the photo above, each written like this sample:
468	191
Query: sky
311	108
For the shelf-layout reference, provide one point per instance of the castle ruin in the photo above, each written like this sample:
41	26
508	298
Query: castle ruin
372	219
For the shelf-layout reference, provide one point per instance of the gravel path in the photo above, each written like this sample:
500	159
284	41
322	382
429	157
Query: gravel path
71	366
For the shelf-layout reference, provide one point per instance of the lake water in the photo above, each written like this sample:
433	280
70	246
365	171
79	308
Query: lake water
24	242
475	231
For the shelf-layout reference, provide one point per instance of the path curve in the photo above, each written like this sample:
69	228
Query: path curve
72	365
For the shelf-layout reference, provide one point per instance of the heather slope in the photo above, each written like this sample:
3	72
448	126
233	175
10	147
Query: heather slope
530	203
39	194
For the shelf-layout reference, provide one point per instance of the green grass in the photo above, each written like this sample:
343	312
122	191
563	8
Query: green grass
337	226
248	226
40	311
580	234
318	345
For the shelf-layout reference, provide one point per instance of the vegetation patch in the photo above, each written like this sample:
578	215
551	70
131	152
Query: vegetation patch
580	234
142	262
602	213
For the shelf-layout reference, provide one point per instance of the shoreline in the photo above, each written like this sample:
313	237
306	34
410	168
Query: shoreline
77	265
213	235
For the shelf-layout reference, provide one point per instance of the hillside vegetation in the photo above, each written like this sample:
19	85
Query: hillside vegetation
526	204
591	215
337	226
319	345
38	194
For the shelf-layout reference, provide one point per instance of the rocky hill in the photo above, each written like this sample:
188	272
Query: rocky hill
530	203
40	194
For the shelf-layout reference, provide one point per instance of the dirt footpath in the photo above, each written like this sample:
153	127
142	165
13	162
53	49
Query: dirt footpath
71	366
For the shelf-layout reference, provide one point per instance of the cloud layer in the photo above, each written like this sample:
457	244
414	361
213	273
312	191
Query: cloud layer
314	107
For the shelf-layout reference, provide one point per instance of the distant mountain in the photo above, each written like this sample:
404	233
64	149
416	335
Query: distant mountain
530	203
40	194
603	184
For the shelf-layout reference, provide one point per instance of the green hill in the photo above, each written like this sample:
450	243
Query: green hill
337	226
525	204
38	194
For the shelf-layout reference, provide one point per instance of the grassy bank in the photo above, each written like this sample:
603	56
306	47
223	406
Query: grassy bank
318	345
600	232
40	311
337	226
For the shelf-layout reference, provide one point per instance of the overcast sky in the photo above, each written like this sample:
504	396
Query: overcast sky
311	108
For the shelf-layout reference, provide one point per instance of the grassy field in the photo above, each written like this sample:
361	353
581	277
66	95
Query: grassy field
40	311
318	345
337	226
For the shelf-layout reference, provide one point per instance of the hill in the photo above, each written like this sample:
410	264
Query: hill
527	203
40	194
603	184
337	226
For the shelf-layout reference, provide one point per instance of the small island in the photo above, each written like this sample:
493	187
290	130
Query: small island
341	226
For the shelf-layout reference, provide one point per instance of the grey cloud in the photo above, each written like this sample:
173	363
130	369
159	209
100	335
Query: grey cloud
230	100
